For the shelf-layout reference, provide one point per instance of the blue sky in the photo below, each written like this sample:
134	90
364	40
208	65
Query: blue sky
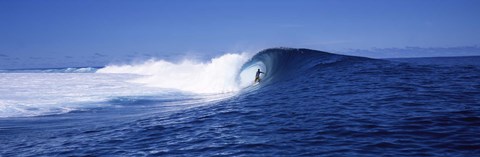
113	28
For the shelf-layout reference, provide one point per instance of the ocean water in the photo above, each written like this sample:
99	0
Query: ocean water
309	103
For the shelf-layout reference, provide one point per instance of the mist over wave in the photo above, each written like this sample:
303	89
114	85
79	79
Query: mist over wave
219	75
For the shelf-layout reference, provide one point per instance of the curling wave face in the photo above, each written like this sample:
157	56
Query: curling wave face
283	63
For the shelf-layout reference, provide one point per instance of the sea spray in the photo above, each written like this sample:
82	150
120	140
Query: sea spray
219	75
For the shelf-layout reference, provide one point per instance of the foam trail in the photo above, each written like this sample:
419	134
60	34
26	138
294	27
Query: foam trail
219	75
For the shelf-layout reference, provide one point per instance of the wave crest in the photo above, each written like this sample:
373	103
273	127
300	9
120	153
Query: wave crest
230	72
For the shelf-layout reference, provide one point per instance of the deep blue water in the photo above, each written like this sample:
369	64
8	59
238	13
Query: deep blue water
310	103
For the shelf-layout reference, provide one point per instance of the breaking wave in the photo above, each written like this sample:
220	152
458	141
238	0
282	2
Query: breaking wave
227	73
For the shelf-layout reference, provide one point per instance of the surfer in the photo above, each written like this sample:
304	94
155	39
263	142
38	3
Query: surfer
257	76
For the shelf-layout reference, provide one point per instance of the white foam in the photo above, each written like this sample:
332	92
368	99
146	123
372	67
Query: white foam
33	94
219	75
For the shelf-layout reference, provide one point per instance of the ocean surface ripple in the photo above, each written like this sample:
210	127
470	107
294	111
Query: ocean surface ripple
311	104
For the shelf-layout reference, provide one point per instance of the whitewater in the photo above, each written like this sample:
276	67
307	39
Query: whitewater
309	103
56	91
219	75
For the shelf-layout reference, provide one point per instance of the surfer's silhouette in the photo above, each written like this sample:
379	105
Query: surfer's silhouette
257	76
